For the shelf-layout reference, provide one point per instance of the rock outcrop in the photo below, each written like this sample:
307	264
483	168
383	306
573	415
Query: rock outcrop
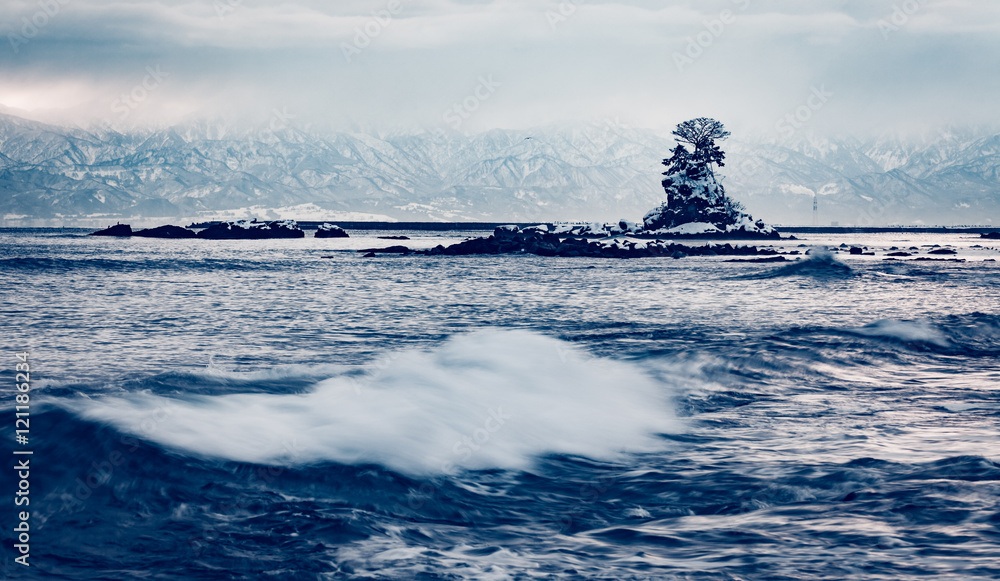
252	230
389	250
697	204
116	230
510	240
167	231
331	231
743	230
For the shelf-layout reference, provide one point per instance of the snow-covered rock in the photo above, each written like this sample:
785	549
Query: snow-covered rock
692	228
750	226
331	231
252	230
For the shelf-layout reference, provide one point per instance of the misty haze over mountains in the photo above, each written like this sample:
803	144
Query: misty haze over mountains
602	171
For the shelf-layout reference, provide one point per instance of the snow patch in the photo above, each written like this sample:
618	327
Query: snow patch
694	228
796	189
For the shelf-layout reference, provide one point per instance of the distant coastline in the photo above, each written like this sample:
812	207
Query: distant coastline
490	226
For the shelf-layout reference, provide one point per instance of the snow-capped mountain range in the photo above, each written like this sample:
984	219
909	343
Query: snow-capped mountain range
65	176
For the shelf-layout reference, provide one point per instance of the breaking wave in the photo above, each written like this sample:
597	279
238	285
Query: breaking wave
490	399
821	263
907	331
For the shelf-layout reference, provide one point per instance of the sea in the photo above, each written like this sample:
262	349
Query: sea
291	410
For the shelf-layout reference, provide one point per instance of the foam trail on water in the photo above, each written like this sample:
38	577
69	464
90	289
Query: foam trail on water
491	399
821	263
912	331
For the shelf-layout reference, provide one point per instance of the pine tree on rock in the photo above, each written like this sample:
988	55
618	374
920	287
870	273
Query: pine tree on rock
694	195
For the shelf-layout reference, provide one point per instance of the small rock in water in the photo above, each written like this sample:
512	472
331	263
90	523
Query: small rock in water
167	231
767	259
116	230
331	231
389	250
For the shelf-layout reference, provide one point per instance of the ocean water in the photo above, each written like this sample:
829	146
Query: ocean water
289	410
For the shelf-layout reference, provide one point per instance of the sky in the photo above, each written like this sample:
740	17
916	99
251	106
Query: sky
769	66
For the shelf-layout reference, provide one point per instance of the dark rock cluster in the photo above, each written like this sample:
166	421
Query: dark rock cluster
509	240
252	230
238	230
124	230
167	231
742	231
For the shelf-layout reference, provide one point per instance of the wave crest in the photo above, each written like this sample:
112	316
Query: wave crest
821	263
906	331
490	399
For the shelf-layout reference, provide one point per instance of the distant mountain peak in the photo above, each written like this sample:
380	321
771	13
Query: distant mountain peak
600	171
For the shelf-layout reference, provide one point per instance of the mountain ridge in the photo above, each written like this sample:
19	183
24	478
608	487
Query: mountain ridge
597	171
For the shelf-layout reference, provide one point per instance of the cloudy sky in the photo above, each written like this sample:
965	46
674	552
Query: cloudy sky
477	64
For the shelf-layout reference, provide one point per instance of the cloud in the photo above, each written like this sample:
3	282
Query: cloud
407	62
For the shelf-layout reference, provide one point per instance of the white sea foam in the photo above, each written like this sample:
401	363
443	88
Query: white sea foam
490	399
820	263
217	372
919	331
